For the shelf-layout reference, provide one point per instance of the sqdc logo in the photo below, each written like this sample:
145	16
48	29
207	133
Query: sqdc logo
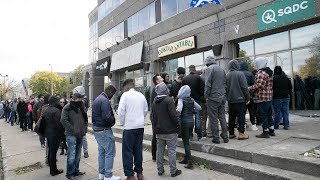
270	15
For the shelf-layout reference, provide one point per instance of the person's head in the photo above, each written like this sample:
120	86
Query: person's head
192	69
78	93
261	62
40	97
278	70
165	77
162	89
210	60
26	100
53	100
46	99
181	71
110	91
128	84
184	91
62	102
157	79
233	65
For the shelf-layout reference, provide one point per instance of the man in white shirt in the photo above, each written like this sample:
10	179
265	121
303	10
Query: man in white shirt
132	110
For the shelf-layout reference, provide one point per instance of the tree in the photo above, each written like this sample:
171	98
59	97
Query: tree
311	67
40	83
76	76
8	89
244	58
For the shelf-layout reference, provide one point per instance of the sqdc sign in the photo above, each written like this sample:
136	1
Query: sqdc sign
284	12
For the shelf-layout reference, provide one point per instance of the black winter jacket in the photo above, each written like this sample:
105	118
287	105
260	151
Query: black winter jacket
282	86
51	119
196	85
165	119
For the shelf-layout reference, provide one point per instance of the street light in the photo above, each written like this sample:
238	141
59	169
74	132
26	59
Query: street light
51	79
4	84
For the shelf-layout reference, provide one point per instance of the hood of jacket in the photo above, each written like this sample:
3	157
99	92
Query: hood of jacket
268	71
159	99
233	65
261	62
184	91
210	60
243	66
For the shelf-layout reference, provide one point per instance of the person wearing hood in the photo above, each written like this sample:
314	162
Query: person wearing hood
215	95
263	92
165	123
53	131
186	107
238	96
281	90
75	122
22	109
250	81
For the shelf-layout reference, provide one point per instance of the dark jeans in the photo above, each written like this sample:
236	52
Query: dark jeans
13	117
132	149
237	110
154	146
23	122
42	140
7	115
264	112
74	155
186	130
53	144
30	121
252	113
281	111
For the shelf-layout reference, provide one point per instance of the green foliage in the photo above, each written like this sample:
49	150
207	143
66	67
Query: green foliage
40	83
244	58
77	76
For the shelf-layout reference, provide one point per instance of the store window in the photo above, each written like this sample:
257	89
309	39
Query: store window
309	35
275	42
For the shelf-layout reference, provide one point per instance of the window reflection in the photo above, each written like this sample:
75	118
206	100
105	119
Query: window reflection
305	36
306	63
283	60
168	8
183	5
111	37
275	42
107	7
246	48
194	59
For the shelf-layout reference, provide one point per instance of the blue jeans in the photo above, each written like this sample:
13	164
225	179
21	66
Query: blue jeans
132	149
107	151
281	110
13	117
198	122
264	113
74	155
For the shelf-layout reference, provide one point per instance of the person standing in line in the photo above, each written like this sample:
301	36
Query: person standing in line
63	144
262	90
30	116
6	109
22	109
13	109
282	87
177	84
37	113
186	107
215	94
42	138
165	122
53	132
250	107
132	110
102	120
194	81
156	79
75	122
206	129
238	96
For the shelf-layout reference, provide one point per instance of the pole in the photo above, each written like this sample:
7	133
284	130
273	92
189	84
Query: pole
51	79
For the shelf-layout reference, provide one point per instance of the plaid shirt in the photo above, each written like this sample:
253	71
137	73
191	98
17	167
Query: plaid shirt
262	88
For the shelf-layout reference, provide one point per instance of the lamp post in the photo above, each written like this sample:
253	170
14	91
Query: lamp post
51	79
4	84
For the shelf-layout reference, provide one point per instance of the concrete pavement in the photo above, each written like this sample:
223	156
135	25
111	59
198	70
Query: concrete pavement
20	149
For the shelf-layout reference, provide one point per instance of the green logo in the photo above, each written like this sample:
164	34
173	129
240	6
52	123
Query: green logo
284	12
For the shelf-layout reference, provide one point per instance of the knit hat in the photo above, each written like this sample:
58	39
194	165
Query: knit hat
79	92
181	70
277	70
210	60
261	62
161	89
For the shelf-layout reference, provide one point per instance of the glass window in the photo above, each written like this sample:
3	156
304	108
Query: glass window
207	53
118	33
306	63
181	62
283	60
143	18
249	61
275	42
168	8
194	59
246	48
305	36
107	7
133	25
183	5
270	58
152	14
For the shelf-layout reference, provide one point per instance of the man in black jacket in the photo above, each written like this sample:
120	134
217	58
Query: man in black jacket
194	81
22	109
165	123
177	83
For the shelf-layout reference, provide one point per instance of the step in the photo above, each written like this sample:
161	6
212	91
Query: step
229	165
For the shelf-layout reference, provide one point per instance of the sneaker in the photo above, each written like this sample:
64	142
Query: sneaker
271	132
101	177
79	174
286	128
57	172
71	177
161	173
86	155
254	128
264	134
232	136
184	161
113	178
243	136
189	165
140	176
216	141
177	173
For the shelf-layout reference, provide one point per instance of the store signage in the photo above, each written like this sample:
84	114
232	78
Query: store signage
283	12
178	46
103	67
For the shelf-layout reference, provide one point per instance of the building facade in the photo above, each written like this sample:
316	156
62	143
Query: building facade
138	38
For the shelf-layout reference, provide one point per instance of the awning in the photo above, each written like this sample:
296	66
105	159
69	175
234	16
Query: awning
103	67
127	57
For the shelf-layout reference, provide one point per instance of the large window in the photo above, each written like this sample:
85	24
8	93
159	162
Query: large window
111	37
142	20
93	42
107	7
170	8
275	42
305	36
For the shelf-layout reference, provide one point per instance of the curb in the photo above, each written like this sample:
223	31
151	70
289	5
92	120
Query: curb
1	162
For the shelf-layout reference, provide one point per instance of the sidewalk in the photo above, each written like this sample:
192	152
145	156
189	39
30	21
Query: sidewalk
20	149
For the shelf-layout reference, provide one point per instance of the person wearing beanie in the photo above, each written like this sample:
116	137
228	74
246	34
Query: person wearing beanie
215	95
186	107
53	132
282	88
262	91
132	110
165	123
238	96
75	122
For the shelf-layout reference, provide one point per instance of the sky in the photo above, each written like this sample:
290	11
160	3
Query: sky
36	33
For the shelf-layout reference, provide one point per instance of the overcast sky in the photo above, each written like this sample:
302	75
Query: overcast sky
36	33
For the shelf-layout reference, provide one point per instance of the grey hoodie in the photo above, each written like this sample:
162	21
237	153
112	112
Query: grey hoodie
237	87
185	92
